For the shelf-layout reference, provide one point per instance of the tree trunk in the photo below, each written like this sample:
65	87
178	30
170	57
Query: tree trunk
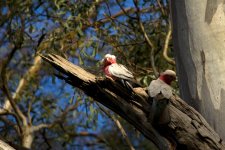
199	43
27	138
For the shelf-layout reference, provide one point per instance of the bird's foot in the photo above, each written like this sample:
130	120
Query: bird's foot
104	78
109	78
99	78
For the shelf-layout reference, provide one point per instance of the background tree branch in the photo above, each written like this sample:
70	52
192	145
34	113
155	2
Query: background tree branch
166	44
119	126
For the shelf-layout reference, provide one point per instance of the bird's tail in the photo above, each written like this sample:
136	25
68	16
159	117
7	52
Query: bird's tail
134	98
128	84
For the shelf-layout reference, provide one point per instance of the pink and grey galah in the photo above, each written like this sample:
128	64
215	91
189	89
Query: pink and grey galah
117	71
162	84
161	91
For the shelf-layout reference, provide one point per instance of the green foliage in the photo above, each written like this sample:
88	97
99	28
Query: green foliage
82	31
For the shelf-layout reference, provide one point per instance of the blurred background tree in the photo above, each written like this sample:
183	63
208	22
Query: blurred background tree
39	111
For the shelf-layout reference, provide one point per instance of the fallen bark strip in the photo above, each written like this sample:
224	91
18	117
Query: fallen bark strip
187	128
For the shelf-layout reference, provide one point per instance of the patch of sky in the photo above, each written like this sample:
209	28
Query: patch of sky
4	10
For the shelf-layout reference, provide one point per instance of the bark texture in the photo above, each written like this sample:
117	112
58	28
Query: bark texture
187	128
199	35
4	146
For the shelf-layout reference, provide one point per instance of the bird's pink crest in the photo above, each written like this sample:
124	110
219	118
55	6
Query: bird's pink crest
168	76
109	59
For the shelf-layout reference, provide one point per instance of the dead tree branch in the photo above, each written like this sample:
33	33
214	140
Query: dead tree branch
187	128
4	145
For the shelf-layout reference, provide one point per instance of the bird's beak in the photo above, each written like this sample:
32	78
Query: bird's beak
102	61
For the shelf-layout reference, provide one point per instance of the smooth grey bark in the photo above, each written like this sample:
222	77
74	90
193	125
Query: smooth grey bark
199	43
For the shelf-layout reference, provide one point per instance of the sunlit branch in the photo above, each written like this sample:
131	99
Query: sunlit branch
130	44
149	42
41	126
86	134
5	146
23	82
5	89
161	7
165	48
30	74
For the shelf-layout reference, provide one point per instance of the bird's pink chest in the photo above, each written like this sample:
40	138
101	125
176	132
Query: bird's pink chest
106	70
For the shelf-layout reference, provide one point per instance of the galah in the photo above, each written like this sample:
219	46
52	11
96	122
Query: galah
162	84
118	71
160	90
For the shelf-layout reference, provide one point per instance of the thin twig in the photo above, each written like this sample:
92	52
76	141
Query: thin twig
19	114
130	44
161	8
119	126
28	112
108	8
85	134
149	42
25	79
124	11
23	82
120	13
165	48
46	139
41	126
10	123
57	120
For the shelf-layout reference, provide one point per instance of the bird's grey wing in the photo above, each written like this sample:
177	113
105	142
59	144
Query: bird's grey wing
157	86
154	88
120	71
166	90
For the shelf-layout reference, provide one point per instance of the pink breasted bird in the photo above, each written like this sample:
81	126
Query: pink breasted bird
118	71
114	70
162	84
161	91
